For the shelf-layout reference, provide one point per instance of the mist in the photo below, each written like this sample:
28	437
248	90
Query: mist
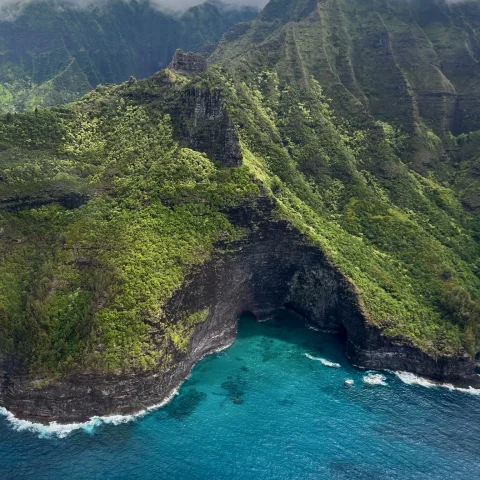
175	5
184	4
9	9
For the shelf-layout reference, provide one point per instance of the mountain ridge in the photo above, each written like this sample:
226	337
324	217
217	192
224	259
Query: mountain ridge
76	49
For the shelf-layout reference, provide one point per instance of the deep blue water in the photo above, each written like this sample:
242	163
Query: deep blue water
263	410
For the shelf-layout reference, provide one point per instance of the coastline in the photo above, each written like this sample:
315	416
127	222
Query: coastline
62	430
271	269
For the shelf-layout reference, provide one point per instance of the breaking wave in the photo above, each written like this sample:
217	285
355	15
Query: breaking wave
54	429
59	430
323	361
412	379
375	379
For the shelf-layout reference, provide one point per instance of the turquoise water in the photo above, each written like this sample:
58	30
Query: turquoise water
264	410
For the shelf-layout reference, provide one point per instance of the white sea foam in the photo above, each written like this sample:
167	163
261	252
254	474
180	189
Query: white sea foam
374	379
323	361
54	429
412	379
43	431
349	382
323	330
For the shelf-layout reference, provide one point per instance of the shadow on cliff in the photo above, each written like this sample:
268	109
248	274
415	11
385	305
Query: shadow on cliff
285	322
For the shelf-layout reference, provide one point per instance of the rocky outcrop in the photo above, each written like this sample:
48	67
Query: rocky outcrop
203	123
270	269
68	200
369	347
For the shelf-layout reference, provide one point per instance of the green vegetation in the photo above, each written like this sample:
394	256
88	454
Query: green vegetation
404	239
383	196
77	284
105	209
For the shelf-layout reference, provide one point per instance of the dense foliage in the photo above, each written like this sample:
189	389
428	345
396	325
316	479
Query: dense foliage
404	239
78	284
363	120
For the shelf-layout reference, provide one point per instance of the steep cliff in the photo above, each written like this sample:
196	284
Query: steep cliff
271	268
412	64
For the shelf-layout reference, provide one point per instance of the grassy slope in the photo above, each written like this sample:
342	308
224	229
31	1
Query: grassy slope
77	285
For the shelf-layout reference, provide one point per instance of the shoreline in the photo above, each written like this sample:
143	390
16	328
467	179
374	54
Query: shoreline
62	430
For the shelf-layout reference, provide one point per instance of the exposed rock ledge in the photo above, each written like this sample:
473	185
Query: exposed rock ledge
271	269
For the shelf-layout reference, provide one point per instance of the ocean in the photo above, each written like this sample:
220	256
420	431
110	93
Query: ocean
282	402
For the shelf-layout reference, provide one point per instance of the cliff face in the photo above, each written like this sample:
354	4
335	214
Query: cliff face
187	63
209	128
405	63
201	118
272	268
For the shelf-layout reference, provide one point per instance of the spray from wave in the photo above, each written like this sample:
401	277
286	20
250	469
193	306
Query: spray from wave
54	429
59	430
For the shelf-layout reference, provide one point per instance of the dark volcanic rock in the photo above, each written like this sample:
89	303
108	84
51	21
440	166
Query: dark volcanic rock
187	63
203	123
68	200
272	268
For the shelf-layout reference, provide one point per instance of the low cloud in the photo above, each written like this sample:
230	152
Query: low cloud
176	5
9	9
183	4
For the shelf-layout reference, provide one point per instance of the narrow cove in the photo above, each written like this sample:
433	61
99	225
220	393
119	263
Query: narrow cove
273	405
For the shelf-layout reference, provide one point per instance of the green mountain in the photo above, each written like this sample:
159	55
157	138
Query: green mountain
326	161
51	54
